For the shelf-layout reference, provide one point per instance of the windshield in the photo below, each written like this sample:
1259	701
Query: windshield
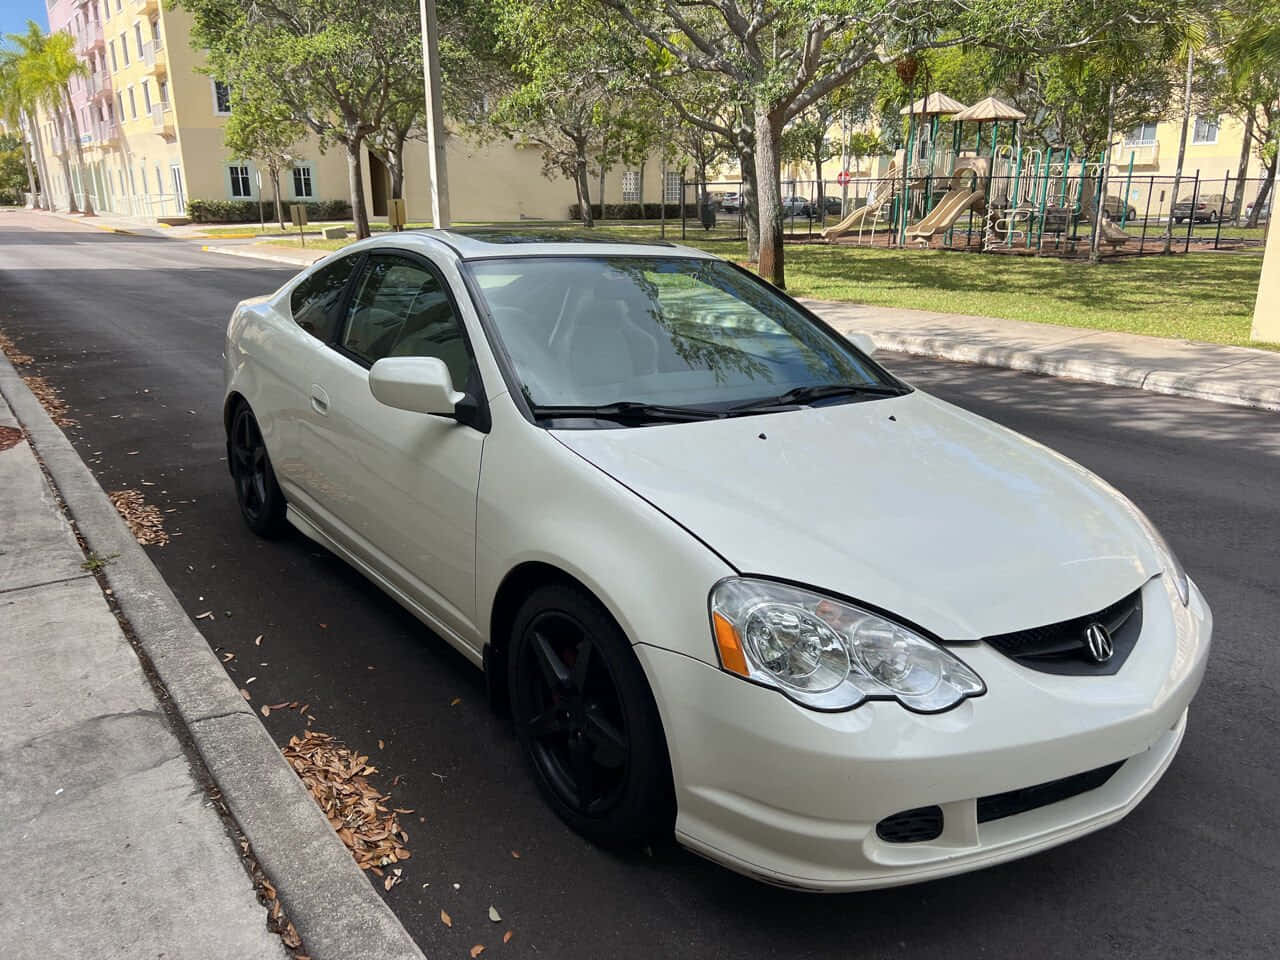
665	330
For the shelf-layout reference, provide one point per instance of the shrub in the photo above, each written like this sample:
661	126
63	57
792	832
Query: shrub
246	211
632	211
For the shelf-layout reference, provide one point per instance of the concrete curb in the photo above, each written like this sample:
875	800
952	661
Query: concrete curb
274	258
1139	378
334	908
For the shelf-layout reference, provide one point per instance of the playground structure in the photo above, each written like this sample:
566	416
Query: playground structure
1023	198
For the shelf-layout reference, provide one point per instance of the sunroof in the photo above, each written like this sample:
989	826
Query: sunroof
546	236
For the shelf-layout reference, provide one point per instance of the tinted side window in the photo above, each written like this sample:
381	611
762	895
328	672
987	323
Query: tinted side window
315	300
400	309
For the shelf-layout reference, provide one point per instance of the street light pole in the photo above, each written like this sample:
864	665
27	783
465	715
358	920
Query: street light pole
437	167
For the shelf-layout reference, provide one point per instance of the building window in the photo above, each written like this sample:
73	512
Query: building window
221	98
146	96
673	186
631	186
133	105
1206	130
120	105
137	36
162	88
302	182
240	181
124	48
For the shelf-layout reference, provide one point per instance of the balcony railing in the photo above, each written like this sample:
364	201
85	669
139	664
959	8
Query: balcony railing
154	58
162	118
1146	153
106	131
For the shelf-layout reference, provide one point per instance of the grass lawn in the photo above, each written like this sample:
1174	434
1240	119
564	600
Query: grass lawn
1197	296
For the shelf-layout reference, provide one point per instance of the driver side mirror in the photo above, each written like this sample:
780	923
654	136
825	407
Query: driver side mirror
416	384
863	342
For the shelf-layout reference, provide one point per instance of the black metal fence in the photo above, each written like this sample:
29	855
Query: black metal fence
1051	212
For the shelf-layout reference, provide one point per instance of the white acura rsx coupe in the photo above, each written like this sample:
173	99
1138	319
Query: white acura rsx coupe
730	577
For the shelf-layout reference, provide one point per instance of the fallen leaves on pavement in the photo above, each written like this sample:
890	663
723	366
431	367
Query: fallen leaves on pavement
446	919
145	521
337	778
9	437
49	398
15	355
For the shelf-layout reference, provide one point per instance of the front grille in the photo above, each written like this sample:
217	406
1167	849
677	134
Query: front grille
1013	802
1060	647
911	826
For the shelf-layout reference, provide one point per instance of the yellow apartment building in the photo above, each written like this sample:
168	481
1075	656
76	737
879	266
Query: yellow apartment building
151	136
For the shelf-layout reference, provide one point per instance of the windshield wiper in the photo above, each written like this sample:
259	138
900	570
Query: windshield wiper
802	395
625	411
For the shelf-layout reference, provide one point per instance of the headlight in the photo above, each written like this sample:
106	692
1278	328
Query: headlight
1169	560
828	654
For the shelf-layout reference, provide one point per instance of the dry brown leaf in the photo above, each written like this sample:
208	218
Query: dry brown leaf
49	398
145	521
516	854
455	701
258	641
245	693
228	657
207	615
16	356
266	710
506	937
446	919
380	744
477	950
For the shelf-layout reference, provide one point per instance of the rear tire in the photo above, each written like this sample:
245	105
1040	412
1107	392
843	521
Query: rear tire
587	721
262	504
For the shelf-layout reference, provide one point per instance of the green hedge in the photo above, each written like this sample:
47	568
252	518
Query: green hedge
246	211
632	211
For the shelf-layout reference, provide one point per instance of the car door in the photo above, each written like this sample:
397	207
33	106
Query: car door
399	487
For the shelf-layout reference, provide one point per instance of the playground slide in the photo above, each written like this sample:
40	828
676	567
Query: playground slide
945	214
856	219
1111	233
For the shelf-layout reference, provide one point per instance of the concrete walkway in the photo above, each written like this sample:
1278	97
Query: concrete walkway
109	845
1236	375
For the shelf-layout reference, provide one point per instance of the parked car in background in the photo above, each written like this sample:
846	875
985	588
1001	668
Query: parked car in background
729	202
1264	214
794	206
731	580
1207	208
830	203
1116	209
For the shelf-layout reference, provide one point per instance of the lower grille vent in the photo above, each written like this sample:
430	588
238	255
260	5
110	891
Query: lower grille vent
1000	805
911	826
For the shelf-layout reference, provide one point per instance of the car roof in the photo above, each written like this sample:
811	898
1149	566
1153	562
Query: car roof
491	242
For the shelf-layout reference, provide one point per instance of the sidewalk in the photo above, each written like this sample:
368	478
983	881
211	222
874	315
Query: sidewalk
109	844
1208	371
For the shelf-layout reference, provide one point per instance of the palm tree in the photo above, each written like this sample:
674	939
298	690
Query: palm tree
27	48
11	111
61	64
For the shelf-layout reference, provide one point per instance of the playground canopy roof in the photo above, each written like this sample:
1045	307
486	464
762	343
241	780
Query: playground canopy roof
934	104
990	109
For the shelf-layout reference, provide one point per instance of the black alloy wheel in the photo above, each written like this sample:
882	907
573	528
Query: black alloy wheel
586	718
261	503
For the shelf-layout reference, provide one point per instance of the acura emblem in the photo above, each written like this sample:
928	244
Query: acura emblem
1097	641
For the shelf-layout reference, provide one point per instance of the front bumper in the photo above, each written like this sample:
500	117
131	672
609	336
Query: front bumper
793	796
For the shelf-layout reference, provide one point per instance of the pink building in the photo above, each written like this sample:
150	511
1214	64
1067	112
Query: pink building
91	97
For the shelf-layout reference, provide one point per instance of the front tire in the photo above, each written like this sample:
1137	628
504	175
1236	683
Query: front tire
587	721
262	504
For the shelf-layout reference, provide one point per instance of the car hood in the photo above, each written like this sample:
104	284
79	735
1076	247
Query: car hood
909	504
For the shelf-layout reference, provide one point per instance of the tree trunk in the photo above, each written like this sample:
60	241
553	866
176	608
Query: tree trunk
1242	171
75	133
72	206
601	193
640	194
42	167
584	187
769	195
1100	208
355	181
275	189
31	177
817	172
1263	192
747	193
1182	153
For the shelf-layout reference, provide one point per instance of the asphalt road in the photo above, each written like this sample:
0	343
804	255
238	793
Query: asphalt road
131	329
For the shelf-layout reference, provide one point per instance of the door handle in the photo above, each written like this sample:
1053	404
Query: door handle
319	400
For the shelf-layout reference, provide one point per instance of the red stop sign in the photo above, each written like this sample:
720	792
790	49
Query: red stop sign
843	177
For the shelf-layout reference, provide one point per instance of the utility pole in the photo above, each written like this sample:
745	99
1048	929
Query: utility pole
437	167
1182	153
